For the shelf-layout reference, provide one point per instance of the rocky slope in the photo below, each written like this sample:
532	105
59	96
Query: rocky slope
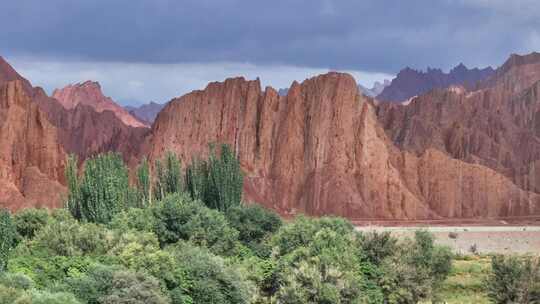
89	93
409	83
31	158
497	126
321	150
147	112
83	131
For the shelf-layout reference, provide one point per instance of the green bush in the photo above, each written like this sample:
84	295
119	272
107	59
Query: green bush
210	279
71	238
255	224
514	280
178	217
377	246
302	231
133	219
416	271
30	221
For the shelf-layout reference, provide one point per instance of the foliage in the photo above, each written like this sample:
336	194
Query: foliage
102	192
178	217
255	225
302	231
30	221
211	281
71	239
377	246
144	183
8	234
133	219
416	271
168	176
514	280
217	182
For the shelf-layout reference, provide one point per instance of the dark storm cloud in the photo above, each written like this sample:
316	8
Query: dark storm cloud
381	36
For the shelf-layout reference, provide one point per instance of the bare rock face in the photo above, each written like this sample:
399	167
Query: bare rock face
409	83
85	132
31	159
497	126
321	150
89	93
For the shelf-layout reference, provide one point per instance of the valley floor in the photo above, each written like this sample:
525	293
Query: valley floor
475	239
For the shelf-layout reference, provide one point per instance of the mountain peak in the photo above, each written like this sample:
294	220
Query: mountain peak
409	82
89	93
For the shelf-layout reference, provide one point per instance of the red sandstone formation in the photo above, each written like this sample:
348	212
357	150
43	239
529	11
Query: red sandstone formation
89	93
31	158
85	132
321	150
497	126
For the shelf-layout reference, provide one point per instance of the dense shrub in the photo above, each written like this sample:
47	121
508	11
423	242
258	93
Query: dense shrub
30	221
416	270
178	217
514	280
302	231
377	246
134	219
211	280
255	225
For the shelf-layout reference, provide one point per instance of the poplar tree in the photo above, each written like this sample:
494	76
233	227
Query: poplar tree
8	235
168	176
102	191
144	184
218	182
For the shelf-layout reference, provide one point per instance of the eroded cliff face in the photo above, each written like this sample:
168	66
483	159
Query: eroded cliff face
85	132
89	93
321	150
31	159
497	126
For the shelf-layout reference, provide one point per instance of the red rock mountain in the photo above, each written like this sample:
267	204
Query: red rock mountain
89	93
83	131
36	132
321	150
409	83
31	158
497	126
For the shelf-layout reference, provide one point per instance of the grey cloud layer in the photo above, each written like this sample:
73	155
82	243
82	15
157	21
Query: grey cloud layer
381	36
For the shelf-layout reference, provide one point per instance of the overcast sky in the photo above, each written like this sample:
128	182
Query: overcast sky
141	50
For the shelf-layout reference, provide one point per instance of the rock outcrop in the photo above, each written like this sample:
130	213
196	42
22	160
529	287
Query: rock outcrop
89	93
409	83
31	159
497	126
85	132
321	150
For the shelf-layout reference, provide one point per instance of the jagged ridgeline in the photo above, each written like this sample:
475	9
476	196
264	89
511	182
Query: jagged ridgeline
103	188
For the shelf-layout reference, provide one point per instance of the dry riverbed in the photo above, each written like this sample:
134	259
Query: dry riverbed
481	239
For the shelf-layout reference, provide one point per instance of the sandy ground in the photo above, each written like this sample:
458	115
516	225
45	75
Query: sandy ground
487	239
